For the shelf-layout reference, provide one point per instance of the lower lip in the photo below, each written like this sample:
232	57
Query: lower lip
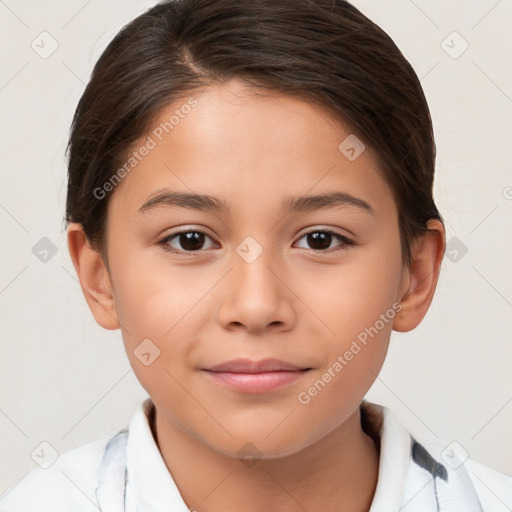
256	382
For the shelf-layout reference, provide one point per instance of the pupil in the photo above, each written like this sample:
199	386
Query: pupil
319	240
193	241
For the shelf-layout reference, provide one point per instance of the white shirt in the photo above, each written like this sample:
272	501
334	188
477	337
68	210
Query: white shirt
125	472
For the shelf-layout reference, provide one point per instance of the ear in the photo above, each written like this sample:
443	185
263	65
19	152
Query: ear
93	276
421	279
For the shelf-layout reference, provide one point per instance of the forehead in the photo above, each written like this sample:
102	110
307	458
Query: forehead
246	144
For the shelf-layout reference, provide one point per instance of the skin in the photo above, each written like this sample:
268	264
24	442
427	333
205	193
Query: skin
291	303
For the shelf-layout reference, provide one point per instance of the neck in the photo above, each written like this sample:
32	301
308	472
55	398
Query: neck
338	472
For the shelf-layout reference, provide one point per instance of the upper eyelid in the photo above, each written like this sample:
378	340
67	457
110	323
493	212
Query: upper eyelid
323	230
303	233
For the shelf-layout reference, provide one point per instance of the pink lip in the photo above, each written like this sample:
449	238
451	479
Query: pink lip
255	376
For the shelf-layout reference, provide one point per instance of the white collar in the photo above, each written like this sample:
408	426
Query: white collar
402	482
395	450
150	481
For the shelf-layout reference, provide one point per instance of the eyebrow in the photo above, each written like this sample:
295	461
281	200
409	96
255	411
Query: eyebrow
204	202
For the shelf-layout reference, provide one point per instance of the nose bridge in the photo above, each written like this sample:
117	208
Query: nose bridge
255	297
251	269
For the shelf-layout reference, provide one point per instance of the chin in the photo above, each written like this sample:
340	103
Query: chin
257	444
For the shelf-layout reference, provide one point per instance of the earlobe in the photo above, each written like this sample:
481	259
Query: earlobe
93	276
427	256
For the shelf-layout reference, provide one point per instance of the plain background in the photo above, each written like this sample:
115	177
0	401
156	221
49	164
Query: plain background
64	380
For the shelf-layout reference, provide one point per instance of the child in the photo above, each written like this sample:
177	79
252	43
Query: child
217	148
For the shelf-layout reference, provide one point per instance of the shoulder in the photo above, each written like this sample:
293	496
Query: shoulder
494	488
462	482
68	484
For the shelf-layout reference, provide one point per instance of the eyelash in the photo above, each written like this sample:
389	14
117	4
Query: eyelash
346	242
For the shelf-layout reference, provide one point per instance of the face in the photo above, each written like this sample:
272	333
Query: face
252	272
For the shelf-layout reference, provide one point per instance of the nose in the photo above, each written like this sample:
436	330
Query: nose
255	295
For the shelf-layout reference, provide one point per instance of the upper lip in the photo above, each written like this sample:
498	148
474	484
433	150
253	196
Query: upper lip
248	366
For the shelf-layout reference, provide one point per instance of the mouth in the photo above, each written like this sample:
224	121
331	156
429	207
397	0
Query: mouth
263	376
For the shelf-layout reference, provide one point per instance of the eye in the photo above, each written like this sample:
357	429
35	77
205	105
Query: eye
321	240
194	240
190	241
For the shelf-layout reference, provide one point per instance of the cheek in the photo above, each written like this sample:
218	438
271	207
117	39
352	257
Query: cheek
151	294
358	302
352	296
157	337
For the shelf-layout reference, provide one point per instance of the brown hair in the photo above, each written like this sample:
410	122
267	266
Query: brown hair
325	51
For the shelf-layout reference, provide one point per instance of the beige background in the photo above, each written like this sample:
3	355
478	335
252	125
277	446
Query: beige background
66	381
